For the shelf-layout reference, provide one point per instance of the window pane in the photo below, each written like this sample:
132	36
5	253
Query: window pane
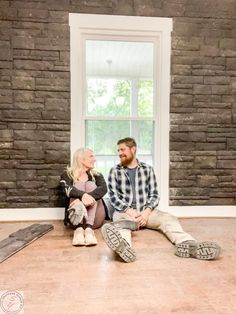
102	136
108	97
119	78
144	137
105	163
145	98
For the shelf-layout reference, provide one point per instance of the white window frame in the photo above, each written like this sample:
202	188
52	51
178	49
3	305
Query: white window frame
82	25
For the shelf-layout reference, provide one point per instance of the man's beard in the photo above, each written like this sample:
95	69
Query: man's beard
126	161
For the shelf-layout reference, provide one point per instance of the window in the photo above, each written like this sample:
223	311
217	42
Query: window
119	98
119	87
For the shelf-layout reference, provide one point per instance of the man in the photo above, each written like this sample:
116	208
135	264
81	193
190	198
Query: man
133	194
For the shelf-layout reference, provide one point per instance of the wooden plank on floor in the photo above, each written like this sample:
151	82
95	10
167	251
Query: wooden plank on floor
21	238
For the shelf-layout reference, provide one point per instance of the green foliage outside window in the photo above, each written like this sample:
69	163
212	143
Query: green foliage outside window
113	98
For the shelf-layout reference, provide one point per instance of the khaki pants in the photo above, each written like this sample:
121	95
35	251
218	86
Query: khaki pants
160	221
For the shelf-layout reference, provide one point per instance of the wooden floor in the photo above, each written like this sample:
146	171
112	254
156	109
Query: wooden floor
57	278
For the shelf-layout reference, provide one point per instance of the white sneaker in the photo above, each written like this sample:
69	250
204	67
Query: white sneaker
78	238
90	238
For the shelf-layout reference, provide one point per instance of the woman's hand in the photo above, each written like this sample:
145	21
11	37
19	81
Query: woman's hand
87	200
74	202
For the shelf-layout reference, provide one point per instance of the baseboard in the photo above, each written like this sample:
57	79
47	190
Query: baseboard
28	214
203	211
57	213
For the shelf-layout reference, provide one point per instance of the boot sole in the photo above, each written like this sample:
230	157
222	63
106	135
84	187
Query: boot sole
201	250
119	245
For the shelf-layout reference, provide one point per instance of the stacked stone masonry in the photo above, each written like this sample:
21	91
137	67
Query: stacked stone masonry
35	97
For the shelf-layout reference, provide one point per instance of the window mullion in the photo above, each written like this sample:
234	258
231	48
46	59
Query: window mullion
134	108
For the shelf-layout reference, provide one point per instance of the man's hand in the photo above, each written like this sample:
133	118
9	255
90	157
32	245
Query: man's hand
143	218
88	200
132	213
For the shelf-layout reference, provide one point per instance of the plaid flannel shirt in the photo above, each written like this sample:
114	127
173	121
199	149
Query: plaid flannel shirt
120	188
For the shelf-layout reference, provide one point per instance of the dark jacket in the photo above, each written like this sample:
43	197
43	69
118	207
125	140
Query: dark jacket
70	191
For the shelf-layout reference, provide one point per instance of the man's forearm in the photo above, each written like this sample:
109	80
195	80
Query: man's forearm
146	212
117	203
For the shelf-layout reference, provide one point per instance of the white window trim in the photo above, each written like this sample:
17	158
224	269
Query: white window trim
155	27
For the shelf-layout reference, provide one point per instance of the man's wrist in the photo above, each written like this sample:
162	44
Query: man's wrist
128	210
148	210
146	213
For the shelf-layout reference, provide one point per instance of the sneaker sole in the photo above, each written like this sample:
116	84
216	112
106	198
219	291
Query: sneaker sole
90	243
78	244
201	250
115	242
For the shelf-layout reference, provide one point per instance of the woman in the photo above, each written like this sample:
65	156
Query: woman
84	189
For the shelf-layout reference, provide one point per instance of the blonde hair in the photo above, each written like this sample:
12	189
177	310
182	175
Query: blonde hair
77	167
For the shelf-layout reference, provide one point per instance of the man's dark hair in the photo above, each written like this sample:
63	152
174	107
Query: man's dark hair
128	141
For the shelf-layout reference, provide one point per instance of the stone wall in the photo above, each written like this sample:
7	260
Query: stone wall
203	104
35	97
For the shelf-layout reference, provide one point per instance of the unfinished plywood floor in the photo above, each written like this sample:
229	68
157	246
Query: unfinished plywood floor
58	278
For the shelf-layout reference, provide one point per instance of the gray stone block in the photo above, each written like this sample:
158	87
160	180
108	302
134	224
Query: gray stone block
21	238
205	162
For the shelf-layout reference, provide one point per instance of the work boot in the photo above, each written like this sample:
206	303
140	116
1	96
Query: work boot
90	238
114	240
78	238
126	224
199	250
